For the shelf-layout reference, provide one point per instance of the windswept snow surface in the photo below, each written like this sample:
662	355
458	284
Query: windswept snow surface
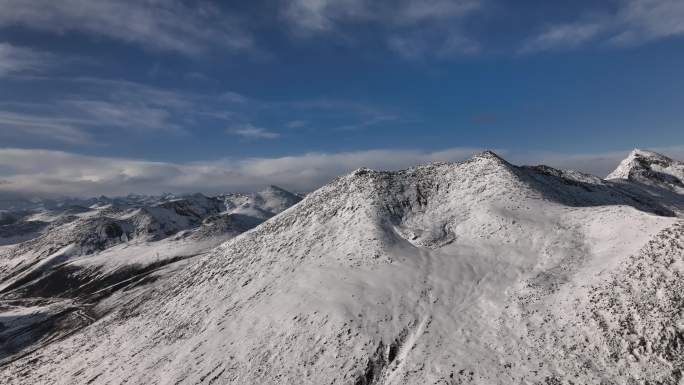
478	272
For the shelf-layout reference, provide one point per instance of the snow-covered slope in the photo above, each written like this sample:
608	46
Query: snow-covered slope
476	272
57	263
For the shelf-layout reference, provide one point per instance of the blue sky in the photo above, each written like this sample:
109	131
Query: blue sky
112	97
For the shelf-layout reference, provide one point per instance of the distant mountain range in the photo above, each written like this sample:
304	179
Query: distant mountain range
66	255
477	272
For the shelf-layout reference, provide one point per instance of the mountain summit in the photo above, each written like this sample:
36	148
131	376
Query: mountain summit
477	272
651	168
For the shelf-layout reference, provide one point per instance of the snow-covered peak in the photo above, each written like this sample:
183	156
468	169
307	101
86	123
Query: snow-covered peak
263	204
486	160
489	160
637	159
488	154
651	168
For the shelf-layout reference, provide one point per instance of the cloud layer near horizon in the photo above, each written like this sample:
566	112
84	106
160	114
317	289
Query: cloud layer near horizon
43	173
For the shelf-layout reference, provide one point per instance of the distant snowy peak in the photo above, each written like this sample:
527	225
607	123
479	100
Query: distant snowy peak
651	168
277	199
263	204
638	160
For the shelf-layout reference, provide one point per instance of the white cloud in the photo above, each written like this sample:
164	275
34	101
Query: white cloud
322	15
249	131
56	173
633	22
372	121
415	28
30	172
20	60
308	16
428	11
14	125
160	24
311	170
140	117
131	92
409	47
94	105
645	20
564	36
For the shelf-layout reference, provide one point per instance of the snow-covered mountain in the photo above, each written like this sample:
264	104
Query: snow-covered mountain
651	168
57	262
38	204
479	272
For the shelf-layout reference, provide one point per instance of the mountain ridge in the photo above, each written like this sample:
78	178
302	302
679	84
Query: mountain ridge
434	274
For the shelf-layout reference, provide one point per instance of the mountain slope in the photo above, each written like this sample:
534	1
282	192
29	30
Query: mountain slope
474	272
76	259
